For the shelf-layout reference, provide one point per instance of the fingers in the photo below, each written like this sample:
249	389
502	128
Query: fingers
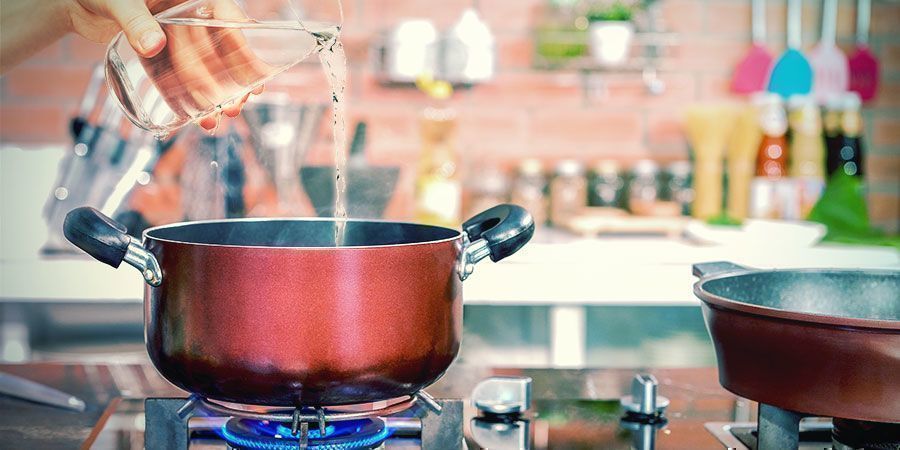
143	32
234	108
209	122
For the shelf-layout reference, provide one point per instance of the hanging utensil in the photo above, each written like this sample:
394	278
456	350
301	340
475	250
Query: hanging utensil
792	73
863	64
369	188
830	70
751	73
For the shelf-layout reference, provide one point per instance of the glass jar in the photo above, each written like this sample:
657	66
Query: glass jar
487	187
568	191
679	189
607	185
643	192
528	189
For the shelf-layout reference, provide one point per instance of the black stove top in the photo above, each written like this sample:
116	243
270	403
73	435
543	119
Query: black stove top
570	409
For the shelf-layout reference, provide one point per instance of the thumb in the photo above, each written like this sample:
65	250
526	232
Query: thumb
142	30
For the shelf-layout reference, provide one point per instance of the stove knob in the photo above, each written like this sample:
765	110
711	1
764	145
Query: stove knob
503	395
643	399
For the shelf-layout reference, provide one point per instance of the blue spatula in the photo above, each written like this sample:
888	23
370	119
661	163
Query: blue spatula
792	73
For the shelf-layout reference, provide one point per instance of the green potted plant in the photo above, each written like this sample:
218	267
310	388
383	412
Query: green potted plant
610	31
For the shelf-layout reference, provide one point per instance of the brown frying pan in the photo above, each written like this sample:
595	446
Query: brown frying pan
819	342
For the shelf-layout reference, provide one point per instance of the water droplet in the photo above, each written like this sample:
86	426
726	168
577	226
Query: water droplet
143	178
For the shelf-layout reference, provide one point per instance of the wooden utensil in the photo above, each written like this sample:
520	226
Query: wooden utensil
863	64
792	73
708	129
741	157
751	73
830	70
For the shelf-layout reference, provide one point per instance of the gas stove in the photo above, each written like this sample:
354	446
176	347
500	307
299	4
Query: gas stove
778	428
132	407
499	416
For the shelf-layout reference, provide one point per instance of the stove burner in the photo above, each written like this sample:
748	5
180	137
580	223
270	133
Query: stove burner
247	434
869	435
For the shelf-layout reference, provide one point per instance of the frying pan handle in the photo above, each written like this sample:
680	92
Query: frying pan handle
708	269
496	232
107	241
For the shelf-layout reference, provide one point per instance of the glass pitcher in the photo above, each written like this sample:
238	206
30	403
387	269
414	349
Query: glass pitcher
216	53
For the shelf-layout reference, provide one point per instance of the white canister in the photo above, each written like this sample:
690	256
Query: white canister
410	51
610	41
469	50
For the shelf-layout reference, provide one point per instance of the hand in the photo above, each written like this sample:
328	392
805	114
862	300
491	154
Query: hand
100	20
188	87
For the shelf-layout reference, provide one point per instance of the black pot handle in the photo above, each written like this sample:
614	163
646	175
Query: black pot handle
497	232
708	269
107	241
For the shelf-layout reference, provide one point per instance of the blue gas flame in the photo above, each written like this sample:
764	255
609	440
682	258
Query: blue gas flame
277	436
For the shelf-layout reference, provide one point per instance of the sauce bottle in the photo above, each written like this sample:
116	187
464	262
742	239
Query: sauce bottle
807	165
772	195
831	131
845	150
771	159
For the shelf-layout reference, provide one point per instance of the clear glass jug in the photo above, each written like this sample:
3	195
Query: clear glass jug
217	52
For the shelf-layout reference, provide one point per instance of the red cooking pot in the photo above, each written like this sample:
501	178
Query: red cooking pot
271	312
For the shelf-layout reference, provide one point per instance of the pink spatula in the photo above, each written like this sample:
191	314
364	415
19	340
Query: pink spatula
863	64
831	74
751	73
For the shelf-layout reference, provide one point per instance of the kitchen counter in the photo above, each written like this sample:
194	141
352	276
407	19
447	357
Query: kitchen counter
601	271
565	273
555	269
696	398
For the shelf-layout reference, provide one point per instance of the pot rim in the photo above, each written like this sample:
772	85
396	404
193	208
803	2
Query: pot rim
147	234
795	316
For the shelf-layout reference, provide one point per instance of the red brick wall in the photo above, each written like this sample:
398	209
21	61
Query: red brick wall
525	112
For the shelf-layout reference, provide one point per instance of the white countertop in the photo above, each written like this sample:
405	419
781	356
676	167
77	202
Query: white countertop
602	271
